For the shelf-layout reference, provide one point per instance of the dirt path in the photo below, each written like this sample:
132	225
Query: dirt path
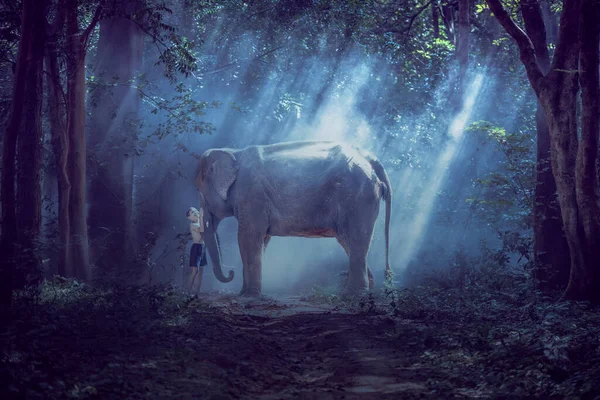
136	343
268	349
145	344
308	349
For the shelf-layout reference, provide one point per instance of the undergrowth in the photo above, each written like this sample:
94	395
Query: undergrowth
482	332
492	324
69	317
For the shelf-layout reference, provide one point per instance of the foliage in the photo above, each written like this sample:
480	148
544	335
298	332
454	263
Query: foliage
488	328
504	197
483	318
288	105
507	193
176	53
9	40
317	294
182	111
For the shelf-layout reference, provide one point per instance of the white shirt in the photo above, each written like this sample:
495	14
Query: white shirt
197	229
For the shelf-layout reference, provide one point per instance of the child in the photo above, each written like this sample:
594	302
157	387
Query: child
198	250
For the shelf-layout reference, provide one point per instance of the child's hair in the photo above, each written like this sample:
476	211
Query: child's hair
192	210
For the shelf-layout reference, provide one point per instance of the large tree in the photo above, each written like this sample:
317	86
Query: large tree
21	210
551	252
112	137
574	66
76	46
57	117
29	154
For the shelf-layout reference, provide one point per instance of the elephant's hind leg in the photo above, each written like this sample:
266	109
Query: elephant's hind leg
355	233
358	279
251	249
369	274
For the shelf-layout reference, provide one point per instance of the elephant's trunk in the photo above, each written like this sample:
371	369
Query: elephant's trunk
214	249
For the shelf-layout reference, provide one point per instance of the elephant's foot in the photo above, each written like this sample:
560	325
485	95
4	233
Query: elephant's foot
251	292
352	291
355	287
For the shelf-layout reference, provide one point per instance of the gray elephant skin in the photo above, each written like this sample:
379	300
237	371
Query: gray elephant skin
307	188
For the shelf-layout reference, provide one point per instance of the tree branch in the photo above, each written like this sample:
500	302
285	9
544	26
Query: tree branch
260	12
415	15
385	29
536	30
237	62
566	55
55	27
526	50
85	35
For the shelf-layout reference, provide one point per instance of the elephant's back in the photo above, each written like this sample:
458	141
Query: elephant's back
307	186
317	168
322	155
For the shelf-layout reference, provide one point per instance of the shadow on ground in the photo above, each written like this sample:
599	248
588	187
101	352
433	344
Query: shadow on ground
151	344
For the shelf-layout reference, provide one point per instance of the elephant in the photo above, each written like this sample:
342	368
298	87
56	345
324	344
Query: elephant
311	189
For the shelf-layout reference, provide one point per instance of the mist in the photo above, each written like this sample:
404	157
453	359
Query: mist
346	96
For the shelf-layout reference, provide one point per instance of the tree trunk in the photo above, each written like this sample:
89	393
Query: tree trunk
77	144
560	107
29	155
60	146
559	97
112	144
448	18
550	21
570	159
435	18
573	161
584	282
550	249
9	221
551	252
462	50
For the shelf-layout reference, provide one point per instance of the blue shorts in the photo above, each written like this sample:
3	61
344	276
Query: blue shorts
198	255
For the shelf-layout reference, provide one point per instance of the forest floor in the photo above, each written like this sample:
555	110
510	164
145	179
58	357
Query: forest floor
77	342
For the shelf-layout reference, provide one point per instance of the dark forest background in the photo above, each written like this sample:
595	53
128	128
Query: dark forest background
484	113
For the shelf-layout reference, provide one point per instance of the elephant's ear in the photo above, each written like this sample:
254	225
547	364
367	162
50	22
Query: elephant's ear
223	171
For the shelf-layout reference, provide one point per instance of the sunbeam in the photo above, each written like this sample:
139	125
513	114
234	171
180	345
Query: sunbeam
437	178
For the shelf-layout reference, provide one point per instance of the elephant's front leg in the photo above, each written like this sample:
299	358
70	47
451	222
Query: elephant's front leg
243	291
251	248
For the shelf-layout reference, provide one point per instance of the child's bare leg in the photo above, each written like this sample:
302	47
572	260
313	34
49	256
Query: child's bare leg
191	277
199	280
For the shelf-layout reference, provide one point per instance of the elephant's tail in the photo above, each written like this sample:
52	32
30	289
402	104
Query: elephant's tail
386	194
